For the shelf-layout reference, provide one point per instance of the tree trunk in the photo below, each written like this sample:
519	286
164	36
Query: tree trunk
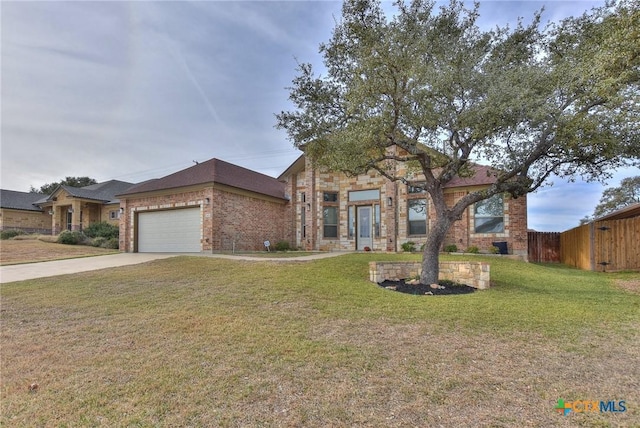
431	253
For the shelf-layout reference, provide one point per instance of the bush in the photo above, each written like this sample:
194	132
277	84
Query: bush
112	244
409	246
282	246
473	249
8	234
102	230
494	250
451	248
71	238
98	242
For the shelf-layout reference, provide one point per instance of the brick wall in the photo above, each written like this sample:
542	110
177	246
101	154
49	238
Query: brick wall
231	219
245	222
474	274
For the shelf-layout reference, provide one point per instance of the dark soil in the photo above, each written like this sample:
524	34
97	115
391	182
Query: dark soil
450	287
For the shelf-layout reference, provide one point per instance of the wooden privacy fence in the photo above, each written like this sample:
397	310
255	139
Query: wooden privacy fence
606	245
544	247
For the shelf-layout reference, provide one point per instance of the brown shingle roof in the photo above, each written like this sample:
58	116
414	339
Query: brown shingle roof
483	175
215	171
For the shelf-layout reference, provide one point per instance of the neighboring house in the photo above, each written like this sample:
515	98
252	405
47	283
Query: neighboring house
330	211
66	208
18	210
211	206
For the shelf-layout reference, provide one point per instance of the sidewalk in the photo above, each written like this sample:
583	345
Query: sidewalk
26	271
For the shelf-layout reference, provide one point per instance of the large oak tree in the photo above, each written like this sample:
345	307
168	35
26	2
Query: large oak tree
430	88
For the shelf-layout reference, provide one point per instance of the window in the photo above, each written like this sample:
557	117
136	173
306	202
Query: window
376	220
303	215
351	221
330	215
114	215
330	219
415	188
417	216
364	195
330	197
489	215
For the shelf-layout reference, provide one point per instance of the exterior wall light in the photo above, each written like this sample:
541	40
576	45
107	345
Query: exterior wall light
121	210
207	201
70	210
389	201
308	207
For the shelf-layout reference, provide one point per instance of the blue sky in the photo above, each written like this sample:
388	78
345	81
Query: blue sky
137	90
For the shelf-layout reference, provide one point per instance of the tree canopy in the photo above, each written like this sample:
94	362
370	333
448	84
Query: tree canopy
48	188
430	88
615	198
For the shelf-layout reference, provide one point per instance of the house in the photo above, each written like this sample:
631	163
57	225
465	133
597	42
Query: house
211	206
66	208
19	210
331	211
74	208
217	206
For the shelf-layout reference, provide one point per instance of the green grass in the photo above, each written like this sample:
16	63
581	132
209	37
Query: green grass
211	342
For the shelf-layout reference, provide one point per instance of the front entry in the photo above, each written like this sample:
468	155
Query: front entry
364	226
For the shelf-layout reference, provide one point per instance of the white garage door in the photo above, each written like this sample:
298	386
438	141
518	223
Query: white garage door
173	231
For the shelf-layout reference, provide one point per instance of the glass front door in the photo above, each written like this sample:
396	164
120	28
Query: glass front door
364	227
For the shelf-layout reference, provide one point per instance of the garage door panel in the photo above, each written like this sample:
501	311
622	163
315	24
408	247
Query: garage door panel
171	231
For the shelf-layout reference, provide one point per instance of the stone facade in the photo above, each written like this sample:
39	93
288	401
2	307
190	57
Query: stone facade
389	209
68	212
28	221
473	274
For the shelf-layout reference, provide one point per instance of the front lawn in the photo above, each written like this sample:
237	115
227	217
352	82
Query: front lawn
196	341
17	251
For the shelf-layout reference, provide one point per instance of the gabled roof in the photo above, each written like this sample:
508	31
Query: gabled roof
629	211
15	200
104	192
483	175
214	171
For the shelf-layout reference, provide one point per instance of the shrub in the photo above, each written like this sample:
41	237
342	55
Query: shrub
98	242
473	249
71	238
451	248
282	246
102	230
112	244
494	250
409	246
8	234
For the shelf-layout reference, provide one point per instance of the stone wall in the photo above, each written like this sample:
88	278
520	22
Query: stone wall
28	221
474	274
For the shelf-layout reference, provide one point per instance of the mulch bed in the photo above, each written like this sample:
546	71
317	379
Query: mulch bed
446	288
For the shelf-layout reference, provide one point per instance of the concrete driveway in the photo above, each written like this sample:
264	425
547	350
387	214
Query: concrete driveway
26	271
62	267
